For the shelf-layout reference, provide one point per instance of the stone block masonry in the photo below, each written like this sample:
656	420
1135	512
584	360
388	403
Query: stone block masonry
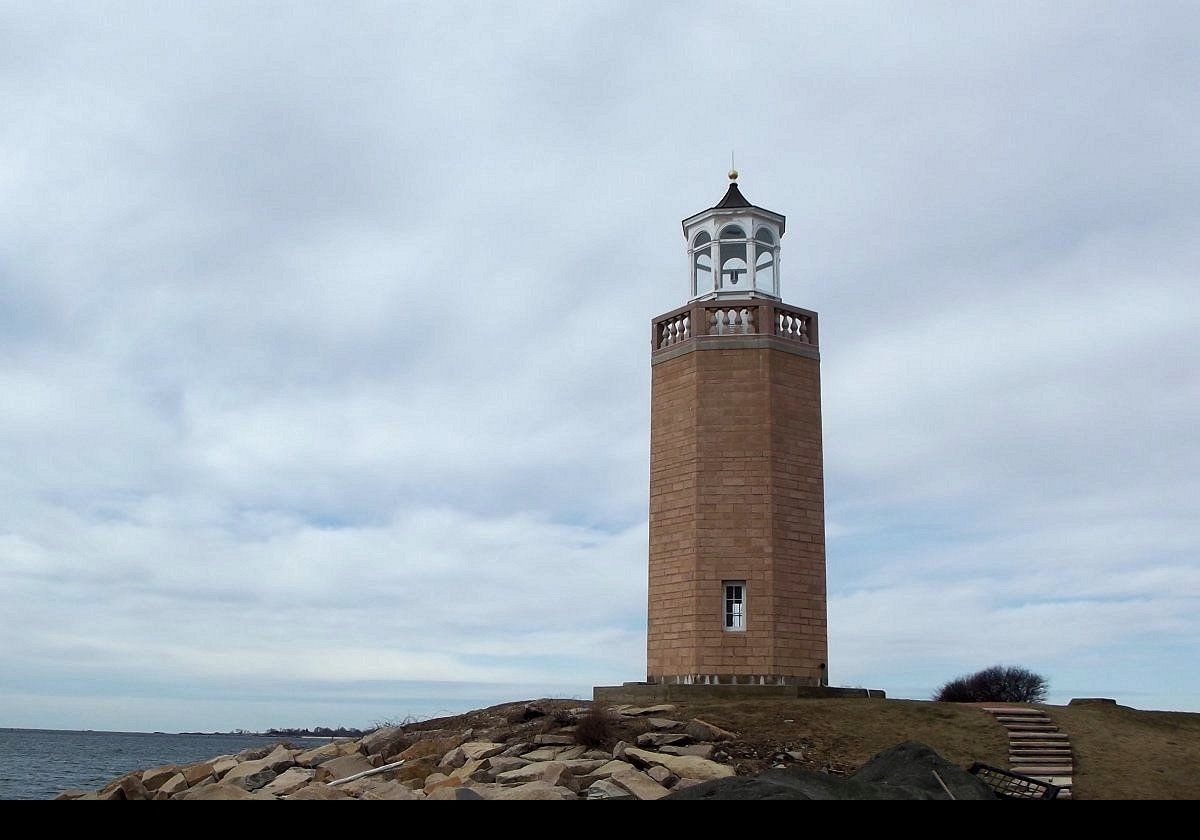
736	494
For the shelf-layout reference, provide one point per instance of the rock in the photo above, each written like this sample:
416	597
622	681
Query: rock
388	791
607	769
254	753
662	775
463	794
433	784
289	781
154	778
175	784
658	723
544	754
415	771
619	749
533	710
385	741
583	766
554	740
219	791
326	752
635	711
551	772
429	747
223	765
131	787
638	784
684	766
467	769
702	731
434	778
347	765
571	753
795	755
250	775
453	759
501	763
698	750
318	792
517	749
197	772
71	793
281	758
912	765
597	754
536	791
606	789
662	739
480	750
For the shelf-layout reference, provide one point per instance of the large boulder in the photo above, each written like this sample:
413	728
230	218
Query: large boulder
638	784
662	739
608	789
215	792
426	748
386	741
153	779
387	791
249	775
551	772
536	791
321	792
281	758
175	784
912	765
198	772
704	731
347	765
223	765
684	766
480	750
289	781
698	750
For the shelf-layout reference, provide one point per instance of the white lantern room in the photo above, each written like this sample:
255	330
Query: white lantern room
733	248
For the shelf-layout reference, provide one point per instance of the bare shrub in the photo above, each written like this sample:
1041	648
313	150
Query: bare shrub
596	728
998	684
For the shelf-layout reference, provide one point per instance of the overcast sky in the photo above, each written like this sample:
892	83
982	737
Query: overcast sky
324	341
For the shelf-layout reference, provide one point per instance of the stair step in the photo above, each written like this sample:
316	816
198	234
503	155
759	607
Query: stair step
1031	727
1038	757
1012	710
1039	736
1041	770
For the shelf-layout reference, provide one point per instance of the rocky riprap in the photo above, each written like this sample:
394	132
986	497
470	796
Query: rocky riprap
522	751
516	751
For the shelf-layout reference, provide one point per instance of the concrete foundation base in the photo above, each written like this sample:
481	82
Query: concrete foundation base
649	693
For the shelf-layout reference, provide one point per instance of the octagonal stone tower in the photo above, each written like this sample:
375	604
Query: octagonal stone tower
737	519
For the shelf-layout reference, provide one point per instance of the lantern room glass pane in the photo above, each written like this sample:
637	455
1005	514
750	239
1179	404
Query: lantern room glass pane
733	265
702	238
764	235
733	232
764	268
702	273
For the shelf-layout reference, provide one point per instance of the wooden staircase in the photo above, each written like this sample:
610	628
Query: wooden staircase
1035	746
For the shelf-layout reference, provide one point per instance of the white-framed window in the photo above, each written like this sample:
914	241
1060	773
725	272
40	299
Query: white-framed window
734	604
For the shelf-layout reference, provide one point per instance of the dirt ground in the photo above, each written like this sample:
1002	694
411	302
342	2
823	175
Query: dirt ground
1123	753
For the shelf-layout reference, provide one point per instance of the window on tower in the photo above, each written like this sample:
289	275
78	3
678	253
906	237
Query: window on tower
764	261
735	604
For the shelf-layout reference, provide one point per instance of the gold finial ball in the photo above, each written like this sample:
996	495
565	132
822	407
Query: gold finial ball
732	174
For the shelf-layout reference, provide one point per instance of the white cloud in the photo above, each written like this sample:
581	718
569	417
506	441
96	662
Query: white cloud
324	357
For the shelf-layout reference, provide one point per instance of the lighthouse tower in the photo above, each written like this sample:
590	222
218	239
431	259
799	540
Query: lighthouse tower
737	519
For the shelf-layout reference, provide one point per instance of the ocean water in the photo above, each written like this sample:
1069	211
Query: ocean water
40	763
